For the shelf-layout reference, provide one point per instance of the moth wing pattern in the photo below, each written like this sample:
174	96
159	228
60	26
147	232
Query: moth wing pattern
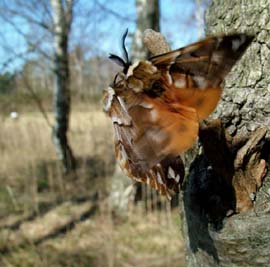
139	142
200	68
157	105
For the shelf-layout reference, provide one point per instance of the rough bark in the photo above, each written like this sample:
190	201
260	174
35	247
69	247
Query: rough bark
62	17
147	18
226	201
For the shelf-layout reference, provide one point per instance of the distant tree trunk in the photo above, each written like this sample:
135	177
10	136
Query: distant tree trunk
147	18
62	17
225	217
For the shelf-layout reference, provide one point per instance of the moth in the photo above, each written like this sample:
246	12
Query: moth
156	106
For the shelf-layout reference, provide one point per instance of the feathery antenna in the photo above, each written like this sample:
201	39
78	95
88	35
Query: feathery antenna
123	62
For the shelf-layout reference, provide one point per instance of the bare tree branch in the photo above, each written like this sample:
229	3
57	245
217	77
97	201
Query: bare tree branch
36	99
27	18
114	13
32	46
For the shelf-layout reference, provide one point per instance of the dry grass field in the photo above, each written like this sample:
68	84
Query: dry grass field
33	191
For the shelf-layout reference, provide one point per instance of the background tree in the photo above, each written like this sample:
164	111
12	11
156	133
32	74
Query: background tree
238	148
62	18
148	14
48	21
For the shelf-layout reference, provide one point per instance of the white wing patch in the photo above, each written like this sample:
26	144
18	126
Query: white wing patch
168	77
109	99
171	172
201	82
146	105
154	115
180	83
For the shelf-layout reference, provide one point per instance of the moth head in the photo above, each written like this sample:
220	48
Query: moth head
123	62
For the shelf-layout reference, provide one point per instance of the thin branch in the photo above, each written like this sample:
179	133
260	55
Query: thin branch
37	100
69	13
29	43
29	19
13	58
47	9
114	13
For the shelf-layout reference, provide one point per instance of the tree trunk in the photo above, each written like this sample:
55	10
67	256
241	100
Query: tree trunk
147	18
226	201
62	17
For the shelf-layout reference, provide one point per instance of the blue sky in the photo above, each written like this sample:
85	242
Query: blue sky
98	26
177	23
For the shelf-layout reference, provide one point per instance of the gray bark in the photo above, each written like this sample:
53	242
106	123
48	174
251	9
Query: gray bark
147	18
226	201
62	17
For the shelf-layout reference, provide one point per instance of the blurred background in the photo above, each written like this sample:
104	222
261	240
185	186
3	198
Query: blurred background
54	54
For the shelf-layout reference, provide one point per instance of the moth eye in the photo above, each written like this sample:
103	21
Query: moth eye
156	90
115	78
193	54
119	77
